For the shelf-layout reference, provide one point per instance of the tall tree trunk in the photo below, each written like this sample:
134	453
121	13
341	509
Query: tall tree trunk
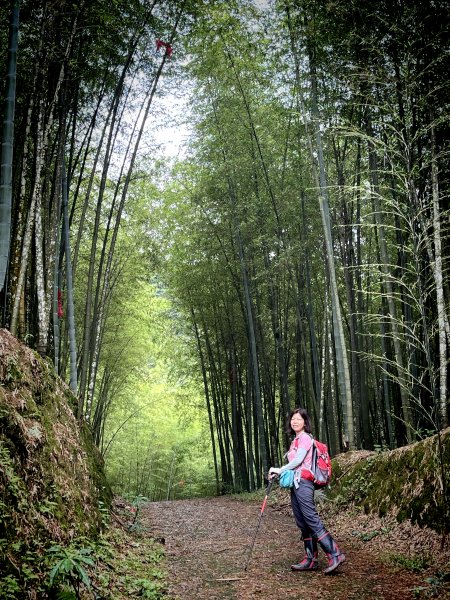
322	378
332	412
20	210
386	392
57	285
43	309
27	238
69	281
438	279
7	145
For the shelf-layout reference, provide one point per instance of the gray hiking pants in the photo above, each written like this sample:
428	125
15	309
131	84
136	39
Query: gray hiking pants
304	509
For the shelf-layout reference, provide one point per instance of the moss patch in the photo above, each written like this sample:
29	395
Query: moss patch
407	481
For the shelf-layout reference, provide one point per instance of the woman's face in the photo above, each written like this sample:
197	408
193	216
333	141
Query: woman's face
297	423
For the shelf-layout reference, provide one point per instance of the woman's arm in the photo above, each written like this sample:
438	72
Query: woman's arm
296	461
305	444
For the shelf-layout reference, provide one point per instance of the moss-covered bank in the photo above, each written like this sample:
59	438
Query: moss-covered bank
52	485
407	481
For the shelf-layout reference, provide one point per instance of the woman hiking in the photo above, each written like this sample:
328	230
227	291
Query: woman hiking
302	497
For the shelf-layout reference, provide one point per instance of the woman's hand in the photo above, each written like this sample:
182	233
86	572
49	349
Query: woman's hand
273	472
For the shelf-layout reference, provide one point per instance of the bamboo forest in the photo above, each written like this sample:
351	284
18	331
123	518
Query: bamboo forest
303	240
215	211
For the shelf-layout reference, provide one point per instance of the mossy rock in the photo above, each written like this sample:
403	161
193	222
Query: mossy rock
407	481
52	483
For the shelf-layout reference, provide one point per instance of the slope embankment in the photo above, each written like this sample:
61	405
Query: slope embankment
51	475
412	482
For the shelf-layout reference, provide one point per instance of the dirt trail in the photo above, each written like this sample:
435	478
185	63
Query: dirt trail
207	542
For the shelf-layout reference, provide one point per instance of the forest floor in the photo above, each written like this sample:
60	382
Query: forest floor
208	540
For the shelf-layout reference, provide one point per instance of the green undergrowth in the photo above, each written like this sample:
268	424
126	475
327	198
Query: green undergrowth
415	564
276	496
129	564
250	497
121	563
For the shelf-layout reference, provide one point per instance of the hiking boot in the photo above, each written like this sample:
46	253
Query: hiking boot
331	549
309	562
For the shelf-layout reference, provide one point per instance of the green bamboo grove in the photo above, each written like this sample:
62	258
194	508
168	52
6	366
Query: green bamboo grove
302	238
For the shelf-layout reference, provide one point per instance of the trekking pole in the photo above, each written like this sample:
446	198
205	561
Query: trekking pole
259	520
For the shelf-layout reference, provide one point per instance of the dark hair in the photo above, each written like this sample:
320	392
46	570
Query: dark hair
302	412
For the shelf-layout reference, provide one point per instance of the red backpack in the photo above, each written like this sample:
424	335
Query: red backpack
321	464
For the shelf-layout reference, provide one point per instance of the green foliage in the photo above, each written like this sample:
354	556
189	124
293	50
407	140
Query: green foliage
415	564
250	496
66	595
136	503
122	568
156	442
366	536
47	507
105	513
9	586
147	588
68	565
13	373
438	585
116	566
14	487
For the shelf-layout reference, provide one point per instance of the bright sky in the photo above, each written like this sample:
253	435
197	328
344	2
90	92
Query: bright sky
173	129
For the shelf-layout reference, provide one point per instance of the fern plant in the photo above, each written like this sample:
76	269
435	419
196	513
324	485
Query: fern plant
69	567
